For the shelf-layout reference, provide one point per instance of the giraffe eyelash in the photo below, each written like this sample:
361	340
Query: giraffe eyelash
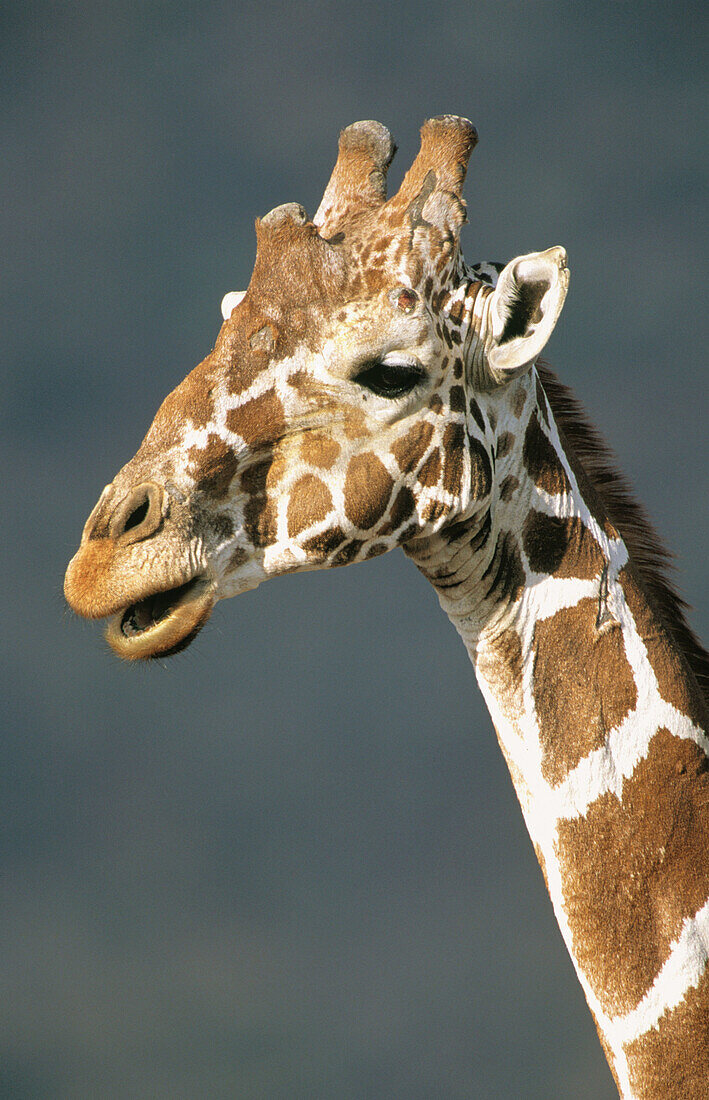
389	379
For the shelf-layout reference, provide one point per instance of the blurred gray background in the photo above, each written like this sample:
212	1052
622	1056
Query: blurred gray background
290	862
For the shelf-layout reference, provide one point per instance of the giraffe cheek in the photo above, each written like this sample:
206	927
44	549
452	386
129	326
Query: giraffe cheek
260	420
213	467
368	488
309	503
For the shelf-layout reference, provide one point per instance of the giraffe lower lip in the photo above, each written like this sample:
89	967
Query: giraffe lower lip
145	614
161	624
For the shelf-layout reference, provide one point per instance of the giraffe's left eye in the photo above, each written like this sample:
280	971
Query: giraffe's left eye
389	379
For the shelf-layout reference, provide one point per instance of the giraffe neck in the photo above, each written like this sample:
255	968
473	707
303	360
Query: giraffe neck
602	728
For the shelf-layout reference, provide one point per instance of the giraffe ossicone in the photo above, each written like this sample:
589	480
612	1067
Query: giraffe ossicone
369	390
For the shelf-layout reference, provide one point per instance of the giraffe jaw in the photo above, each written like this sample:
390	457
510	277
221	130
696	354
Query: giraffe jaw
161	624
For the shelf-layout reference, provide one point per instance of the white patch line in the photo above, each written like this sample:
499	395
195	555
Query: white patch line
544	598
604	770
197	437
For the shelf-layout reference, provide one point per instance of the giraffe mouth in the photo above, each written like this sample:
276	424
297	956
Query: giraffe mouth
163	623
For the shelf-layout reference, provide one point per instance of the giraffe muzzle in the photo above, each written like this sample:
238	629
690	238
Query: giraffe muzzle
136	569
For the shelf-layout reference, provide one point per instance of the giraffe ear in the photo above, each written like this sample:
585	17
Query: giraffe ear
524	309
230	301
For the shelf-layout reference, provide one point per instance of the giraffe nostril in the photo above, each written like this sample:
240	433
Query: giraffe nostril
139	514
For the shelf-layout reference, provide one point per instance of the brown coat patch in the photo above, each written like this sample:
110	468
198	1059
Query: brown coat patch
432	510
219	525
213	467
561	547
305	385
453	451
325	543
430	471
309	502
481	470
263	474
261	420
260	522
672	1060
635	869
583	686
347	553
460	529
410	449
518	398
542	461
368	488
319	450
192	399
355	424
476	413
409	532
456	399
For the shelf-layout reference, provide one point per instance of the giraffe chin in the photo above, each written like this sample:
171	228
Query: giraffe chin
162	624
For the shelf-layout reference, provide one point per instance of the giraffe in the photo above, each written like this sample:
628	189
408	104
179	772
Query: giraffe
369	391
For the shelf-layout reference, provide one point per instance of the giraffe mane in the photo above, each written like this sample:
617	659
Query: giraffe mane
648	553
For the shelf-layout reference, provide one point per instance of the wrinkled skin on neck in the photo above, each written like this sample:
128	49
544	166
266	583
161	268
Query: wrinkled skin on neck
336	416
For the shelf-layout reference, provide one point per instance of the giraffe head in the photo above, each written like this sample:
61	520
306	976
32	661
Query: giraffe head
335	417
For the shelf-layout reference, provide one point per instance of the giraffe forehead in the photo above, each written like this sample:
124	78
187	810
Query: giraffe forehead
371	253
364	328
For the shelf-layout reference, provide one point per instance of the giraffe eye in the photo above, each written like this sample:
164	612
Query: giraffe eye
389	379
